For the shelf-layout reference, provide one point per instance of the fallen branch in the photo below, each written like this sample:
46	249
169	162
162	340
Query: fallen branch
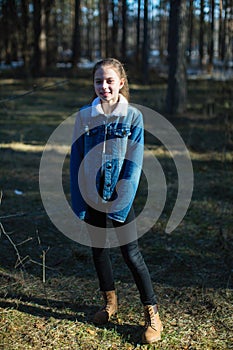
19	260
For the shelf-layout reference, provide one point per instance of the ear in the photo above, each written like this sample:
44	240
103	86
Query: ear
122	83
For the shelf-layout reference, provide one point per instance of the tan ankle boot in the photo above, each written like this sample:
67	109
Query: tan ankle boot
110	308
153	325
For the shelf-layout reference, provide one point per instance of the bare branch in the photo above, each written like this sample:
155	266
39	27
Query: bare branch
19	260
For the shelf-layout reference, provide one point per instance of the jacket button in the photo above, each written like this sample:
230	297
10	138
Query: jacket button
108	185
109	166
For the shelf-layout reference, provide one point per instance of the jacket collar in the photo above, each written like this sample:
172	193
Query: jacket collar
119	111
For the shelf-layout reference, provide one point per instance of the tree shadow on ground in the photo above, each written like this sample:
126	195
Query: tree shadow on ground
47	308
60	310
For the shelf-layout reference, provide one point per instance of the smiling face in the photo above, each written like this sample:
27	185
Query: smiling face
107	84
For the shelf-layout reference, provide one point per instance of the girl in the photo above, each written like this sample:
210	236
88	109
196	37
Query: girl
104	183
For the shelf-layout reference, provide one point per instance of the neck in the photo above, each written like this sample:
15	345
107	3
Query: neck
108	108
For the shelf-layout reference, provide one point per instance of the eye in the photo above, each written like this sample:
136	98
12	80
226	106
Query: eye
110	81
98	82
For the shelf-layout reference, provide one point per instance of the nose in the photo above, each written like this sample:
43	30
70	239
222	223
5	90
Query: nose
105	84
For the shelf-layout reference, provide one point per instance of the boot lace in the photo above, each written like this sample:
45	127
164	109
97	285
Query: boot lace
108	305
150	312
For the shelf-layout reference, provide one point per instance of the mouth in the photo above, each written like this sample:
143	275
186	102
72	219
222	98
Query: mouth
105	94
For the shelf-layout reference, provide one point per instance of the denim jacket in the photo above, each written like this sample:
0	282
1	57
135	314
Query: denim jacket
106	156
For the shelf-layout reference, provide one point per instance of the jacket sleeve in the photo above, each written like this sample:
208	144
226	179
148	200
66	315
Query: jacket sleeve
130	172
76	179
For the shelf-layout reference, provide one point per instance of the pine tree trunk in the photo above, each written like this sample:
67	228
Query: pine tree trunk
201	34
124	30
36	61
145	49
211	45
76	35
114	39
43	38
191	11
25	23
177	80
138	46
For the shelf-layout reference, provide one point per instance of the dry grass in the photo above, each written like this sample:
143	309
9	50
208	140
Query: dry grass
191	269
58	316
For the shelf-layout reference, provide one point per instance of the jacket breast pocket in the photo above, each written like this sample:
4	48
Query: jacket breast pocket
90	138
120	141
90	132
122	132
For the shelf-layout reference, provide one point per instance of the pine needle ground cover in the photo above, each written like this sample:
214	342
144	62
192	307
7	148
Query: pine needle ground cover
49	290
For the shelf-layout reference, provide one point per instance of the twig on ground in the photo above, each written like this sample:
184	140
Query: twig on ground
19	259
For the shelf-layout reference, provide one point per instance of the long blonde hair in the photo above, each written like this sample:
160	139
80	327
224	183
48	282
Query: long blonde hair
118	67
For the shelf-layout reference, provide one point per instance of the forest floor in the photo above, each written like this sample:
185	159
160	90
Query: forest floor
48	286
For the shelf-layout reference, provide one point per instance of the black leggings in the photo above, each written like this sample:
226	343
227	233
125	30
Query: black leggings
131	254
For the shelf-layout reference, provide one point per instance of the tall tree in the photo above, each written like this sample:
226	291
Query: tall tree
228	31
36	59
24	26
90	29
6	33
212	33
177	39
50	43
224	29
145	48
162	33
10	30
103	27
115	27
191	20
124	29
138	41
220	32
76	34
39	62
89	33
201	33
14	28
43	38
